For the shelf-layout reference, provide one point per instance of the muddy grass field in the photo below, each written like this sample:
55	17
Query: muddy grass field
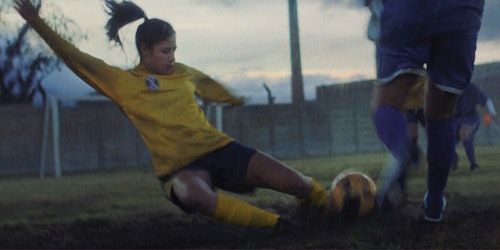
125	209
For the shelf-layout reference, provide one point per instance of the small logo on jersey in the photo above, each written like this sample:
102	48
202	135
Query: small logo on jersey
152	83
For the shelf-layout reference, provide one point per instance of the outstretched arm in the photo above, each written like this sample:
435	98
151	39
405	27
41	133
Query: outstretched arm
26	9
90	69
211	90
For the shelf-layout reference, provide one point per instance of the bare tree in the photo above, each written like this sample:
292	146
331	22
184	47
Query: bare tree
24	59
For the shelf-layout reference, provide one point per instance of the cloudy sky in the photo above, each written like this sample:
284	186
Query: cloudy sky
245	43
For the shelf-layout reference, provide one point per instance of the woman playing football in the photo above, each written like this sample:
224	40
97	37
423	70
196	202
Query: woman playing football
190	157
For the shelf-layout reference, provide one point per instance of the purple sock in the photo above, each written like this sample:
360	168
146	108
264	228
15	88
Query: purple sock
390	125
440	152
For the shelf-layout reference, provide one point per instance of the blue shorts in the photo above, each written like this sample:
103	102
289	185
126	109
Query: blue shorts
440	34
226	166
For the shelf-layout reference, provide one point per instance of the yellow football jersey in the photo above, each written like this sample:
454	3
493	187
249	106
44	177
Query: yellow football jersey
162	107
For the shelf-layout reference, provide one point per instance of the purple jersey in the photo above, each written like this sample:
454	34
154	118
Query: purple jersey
468	100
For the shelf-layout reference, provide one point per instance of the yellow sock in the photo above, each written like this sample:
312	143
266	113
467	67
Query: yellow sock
318	196
238	212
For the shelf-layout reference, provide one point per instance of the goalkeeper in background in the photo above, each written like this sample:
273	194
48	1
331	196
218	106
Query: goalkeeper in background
467	121
190	157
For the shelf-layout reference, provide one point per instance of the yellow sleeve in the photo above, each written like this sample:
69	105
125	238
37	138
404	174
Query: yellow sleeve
211	90
92	70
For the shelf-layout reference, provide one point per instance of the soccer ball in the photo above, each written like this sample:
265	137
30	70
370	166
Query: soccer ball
352	195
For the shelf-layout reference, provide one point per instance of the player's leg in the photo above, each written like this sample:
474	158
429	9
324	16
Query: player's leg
192	190
441	130
400	57
414	117
238	168
267	172
441	135
450	70
468	142
470	152
458	139
413	131
391	127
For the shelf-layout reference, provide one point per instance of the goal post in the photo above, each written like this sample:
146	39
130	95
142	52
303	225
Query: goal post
51	125
51	117
68	136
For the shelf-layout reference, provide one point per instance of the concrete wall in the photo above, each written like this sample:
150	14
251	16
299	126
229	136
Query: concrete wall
93	136
20	136
98	136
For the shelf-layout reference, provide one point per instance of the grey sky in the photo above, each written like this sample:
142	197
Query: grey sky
490	29
245	42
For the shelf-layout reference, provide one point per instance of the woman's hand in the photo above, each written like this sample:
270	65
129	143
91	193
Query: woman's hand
26	9
237	102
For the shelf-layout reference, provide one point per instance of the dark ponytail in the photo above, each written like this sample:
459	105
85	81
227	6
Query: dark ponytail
121	14
149	33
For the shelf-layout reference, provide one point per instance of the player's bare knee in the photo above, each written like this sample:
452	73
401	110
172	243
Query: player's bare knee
190	199
195	196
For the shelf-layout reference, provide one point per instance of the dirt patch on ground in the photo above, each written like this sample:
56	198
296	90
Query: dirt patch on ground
469	223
